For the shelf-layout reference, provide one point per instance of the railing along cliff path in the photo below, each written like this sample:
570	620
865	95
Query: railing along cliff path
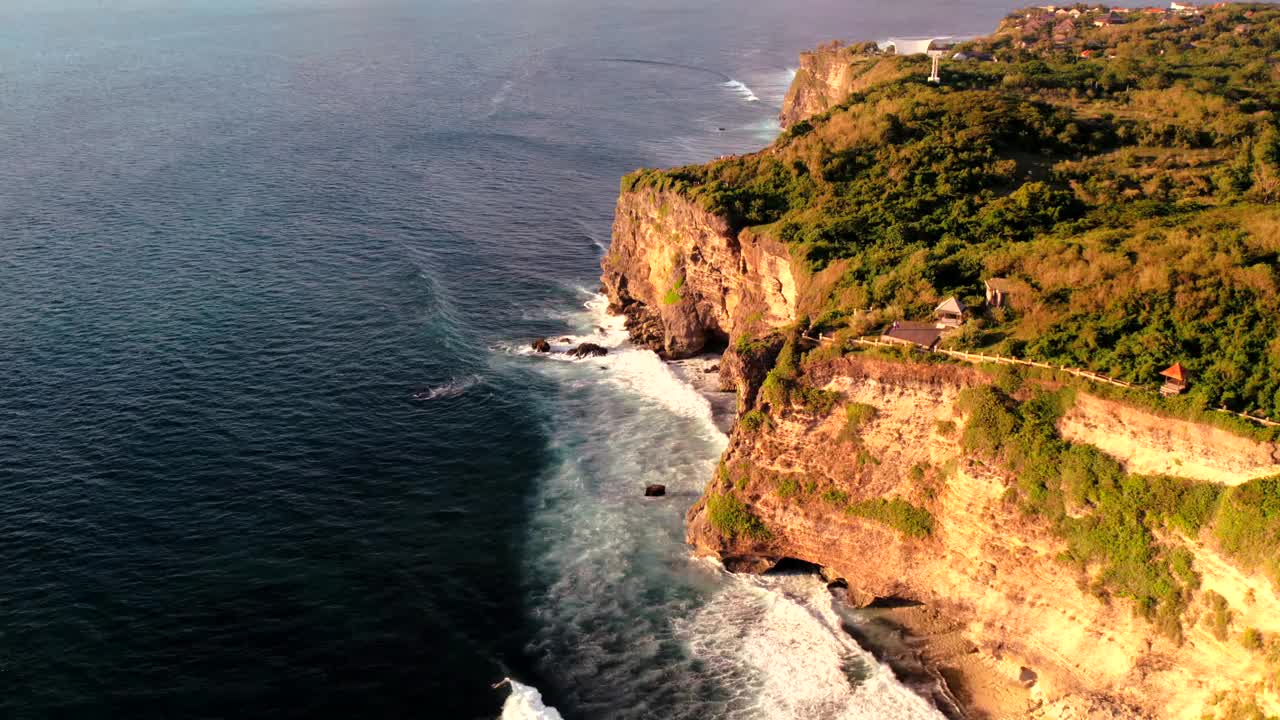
1002	360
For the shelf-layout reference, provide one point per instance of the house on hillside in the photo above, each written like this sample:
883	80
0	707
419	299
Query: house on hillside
999	291
1176	380
950	313
916	334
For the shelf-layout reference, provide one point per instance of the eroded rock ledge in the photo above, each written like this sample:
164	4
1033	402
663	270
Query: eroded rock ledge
994	610
686	280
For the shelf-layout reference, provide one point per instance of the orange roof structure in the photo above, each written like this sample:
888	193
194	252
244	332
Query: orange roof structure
1175	372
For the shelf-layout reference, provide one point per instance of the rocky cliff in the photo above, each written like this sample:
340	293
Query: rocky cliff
1015	631
861	465
686	281
828	75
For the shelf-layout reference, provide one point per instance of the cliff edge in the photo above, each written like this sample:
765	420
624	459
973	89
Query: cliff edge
1052	547
686	280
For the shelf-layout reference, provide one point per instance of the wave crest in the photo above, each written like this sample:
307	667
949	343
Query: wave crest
525	703
742	89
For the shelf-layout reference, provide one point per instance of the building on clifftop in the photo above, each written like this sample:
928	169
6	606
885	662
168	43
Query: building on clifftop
919	334
950	313
1176	380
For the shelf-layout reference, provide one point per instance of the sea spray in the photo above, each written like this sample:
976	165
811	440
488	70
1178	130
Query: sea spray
776	629
525	703
623	610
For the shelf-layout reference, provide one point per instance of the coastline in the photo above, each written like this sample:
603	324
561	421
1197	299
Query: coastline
921	645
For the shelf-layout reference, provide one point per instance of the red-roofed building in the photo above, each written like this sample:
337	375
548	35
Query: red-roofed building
1176	380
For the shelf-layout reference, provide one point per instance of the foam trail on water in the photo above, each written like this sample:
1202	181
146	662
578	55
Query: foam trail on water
453	388
742	90
525	703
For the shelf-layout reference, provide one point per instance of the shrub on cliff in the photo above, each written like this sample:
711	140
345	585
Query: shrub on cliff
731	518
990	424
856	415
897	513
754	420
1247	525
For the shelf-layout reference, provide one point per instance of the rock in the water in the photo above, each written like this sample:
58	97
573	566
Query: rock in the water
655	490
712	369
566	341
588	350
541	345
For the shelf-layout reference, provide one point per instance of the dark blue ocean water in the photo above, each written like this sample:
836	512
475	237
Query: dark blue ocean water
237	238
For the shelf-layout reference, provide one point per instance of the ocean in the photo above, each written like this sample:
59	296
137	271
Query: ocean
271	440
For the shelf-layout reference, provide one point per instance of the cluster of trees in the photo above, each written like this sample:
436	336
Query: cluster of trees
1140	214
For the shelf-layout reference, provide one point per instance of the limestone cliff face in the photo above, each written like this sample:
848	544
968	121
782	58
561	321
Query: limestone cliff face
1026	638
827	76
686	280
1150	445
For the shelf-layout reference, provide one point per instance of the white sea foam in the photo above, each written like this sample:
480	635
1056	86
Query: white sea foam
777	630
639	371
500	97
525	703
741	88
753	647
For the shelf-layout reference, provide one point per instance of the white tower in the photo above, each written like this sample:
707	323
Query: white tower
935	75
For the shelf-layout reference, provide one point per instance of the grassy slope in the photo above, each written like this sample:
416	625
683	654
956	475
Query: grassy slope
1134	193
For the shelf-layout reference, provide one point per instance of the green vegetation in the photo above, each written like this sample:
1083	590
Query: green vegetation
1127	177
731	518
838	498
1220	615
788	487
782	387
897	513
753	420
1251	639
1247	525
673	296
1109	518
856	415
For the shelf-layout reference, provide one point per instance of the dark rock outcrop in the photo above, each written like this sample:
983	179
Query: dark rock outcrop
655	490
587	350
541	345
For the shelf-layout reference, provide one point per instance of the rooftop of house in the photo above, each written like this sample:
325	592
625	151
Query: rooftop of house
919	333
1175	372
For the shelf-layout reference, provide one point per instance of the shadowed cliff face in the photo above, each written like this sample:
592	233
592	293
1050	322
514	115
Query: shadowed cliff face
1025	634
686	281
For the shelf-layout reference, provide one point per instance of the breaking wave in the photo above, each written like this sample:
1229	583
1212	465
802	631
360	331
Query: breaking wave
774	630
525	703
640	371
742	89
